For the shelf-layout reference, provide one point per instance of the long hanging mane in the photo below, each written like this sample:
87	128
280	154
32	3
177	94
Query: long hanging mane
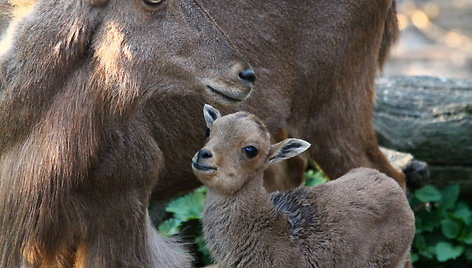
50	127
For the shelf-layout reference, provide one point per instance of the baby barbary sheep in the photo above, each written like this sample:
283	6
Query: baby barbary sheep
361	219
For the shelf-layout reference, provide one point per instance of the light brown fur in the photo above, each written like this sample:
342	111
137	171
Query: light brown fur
362	219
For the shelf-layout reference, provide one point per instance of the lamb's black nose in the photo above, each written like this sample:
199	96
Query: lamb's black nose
204	154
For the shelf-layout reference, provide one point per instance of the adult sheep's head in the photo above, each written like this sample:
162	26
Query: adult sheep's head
127	50
77	66
169	46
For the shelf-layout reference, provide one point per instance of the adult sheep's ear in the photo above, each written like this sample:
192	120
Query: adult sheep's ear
210	114
286	149
59	34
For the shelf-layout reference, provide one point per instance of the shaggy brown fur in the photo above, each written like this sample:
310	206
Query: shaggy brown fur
99	103
359	220
318	83
79	155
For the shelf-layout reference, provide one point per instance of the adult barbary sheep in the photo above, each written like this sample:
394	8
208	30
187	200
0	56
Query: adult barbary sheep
90	91
315	63
80	87
359	220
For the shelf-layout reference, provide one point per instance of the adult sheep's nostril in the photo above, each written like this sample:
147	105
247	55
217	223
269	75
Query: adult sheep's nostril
204	154
248	75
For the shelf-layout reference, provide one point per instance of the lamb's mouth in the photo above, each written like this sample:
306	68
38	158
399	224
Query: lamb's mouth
227	96
202	167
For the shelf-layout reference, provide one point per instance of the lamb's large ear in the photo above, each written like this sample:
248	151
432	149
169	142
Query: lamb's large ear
286	149
210	114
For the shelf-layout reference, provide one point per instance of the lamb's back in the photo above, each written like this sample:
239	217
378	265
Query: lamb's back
360	219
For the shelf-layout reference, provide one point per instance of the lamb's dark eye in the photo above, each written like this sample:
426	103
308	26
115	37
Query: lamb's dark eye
250	151
207	133
153	3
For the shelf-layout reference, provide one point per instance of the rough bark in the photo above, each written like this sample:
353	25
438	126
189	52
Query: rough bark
431	118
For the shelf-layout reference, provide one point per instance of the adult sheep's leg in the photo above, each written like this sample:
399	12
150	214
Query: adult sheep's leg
343	139
131	241
120	233
341	93
165	252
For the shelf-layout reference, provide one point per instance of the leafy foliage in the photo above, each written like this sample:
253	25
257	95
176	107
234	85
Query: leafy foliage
443	228
313	178
428	194
186	208
187	211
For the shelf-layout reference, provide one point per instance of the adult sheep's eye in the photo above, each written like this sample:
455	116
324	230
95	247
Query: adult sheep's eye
153	2
207	133
250	151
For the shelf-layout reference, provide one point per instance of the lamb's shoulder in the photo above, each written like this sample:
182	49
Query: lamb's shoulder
299	208
313	228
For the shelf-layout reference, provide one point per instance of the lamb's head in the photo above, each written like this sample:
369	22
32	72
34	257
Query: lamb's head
238	150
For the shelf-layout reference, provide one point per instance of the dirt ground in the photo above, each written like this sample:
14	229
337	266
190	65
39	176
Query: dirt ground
436	39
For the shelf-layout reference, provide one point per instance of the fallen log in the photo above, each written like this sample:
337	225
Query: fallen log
431	118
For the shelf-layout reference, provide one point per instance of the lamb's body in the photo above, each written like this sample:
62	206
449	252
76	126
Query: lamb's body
362	219
359	220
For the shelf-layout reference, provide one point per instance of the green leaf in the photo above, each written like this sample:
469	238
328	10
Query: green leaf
468	253
446	251
449	196
450	228
170	227
419	225
430	220
428	193
463	213
187	207
202	248
313	178
467	238
202	190
422	247
414	203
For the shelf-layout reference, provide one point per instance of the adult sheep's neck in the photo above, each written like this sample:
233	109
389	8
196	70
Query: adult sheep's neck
232	224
